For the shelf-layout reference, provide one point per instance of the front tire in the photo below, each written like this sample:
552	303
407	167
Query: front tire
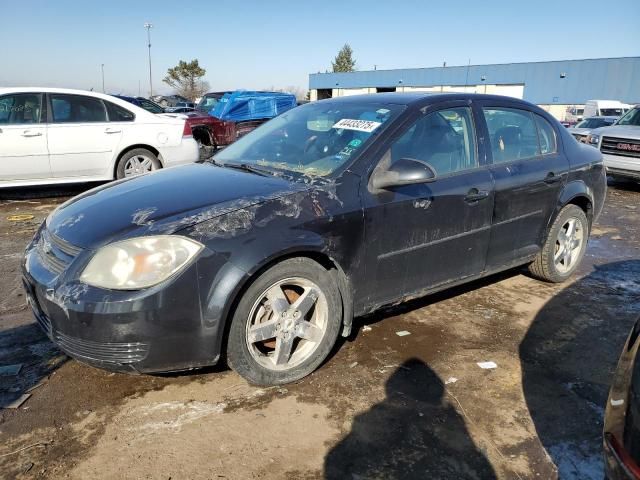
564	247
285	324
137	162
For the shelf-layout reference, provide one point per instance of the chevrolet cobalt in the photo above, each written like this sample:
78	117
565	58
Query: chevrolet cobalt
329	211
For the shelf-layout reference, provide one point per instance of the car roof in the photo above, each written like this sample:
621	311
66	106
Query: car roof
69	91
421	98
124	97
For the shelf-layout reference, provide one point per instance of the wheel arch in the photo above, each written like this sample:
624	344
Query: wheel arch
577	193
313	253
124	151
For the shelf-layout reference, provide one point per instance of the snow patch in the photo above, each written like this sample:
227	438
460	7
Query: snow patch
577	461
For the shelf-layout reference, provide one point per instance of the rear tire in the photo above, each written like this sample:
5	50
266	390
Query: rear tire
285	324
564	247
137	162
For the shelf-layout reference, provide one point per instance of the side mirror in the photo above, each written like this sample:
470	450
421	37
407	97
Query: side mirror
406	171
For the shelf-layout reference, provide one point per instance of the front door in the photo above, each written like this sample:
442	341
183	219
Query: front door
529	171
23	138
424	235
82	142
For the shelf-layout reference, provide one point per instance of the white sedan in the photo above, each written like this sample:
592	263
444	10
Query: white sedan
54	135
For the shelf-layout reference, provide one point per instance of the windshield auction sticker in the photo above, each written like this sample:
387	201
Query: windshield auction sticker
359	125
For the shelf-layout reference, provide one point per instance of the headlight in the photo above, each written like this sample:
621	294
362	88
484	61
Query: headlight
139	262
593	139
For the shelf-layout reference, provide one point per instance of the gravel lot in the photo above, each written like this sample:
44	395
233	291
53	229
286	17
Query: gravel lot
383	406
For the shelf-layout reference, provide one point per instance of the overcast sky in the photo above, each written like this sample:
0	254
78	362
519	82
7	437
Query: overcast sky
261	44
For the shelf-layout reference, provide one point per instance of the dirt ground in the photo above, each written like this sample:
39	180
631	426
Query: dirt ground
383	406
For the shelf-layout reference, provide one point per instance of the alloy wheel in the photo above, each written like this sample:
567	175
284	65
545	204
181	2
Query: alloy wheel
287	323
569	243
137	165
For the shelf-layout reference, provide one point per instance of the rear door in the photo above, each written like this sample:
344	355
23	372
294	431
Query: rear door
421	236
81	140
529	171
23	138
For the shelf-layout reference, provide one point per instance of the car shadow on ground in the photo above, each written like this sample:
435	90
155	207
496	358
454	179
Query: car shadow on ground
415	432
429	299
624	184
568	356
46	191
35	357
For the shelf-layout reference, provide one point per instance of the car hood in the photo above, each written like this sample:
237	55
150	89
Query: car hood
621	131
579	131
162	202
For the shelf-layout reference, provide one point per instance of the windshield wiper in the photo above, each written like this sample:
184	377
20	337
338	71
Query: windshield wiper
245	167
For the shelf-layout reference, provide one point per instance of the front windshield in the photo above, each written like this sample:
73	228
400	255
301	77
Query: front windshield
631	118
313	139
207	103
593	123
151	107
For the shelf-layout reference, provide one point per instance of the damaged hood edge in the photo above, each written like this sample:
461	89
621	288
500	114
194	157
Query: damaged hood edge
162	203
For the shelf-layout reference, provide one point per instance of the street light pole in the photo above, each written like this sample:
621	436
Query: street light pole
149	26
102	67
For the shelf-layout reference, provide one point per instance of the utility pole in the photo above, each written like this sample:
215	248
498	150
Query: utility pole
102	66
149	26
466	81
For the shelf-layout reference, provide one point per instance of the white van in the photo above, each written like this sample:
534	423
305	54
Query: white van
605	108
574	115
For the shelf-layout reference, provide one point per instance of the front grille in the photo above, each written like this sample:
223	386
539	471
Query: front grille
55	253
115	353
32	301
626	147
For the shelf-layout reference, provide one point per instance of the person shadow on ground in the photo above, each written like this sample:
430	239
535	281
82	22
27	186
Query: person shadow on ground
414	433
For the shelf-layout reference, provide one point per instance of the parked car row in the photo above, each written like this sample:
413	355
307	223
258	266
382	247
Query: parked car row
594	108
620	145
582	129
63	136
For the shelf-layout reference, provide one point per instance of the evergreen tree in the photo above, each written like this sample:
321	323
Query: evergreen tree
344	61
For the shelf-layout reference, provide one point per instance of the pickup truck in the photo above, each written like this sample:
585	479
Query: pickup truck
233	115
620	145
212	133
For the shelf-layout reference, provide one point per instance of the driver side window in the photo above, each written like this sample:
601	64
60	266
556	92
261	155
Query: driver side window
444	139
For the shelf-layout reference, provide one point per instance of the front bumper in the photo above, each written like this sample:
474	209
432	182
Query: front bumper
168	327
620	166
615	467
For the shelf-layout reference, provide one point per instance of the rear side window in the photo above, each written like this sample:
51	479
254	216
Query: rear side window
512	133
77	109
20	109
150	106
547	135
118	114
444	139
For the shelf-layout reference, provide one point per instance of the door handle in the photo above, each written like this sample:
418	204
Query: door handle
29	133
552	178
112	130
474	195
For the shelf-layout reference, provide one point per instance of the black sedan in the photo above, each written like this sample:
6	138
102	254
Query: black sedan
622	414
329	211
